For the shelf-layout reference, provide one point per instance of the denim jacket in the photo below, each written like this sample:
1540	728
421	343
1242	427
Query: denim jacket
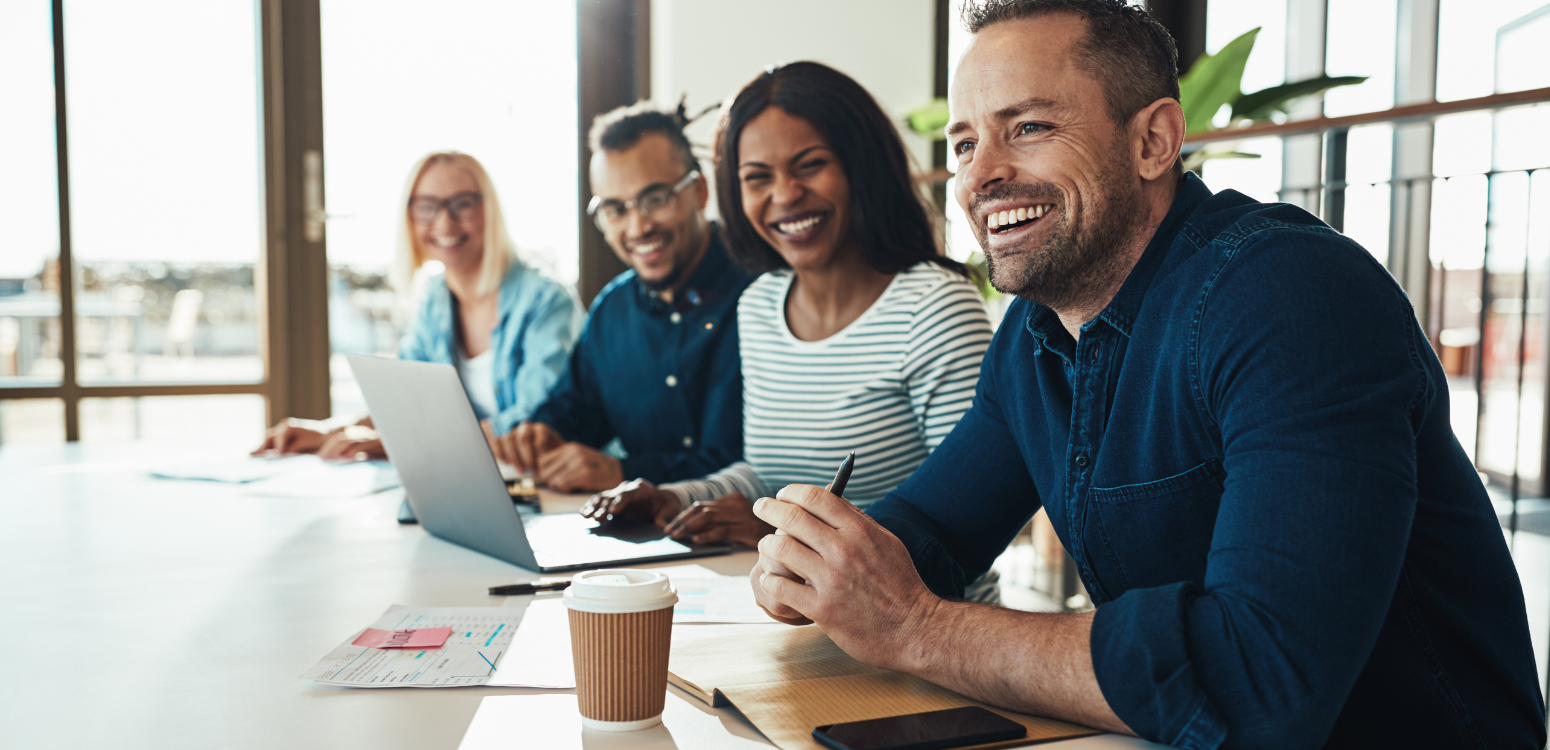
532	338
1248	455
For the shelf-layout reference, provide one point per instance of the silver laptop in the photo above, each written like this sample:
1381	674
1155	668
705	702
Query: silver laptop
455	487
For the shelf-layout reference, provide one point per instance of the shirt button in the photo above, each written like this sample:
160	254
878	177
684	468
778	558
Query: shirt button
1081	460
672	380
676	318
688	442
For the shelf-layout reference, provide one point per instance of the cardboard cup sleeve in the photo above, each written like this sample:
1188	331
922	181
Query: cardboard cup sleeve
621	665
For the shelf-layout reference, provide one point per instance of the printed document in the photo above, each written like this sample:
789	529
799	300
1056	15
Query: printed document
481	636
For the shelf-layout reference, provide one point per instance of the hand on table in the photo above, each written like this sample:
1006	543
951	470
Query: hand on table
861	586
574	467
728	518
353	443
636	500
292	436
523	445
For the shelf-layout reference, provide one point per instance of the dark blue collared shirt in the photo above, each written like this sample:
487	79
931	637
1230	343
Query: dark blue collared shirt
664	378
1249	457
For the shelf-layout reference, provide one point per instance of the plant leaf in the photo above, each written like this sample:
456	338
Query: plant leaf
1261	104
929	119
1214	80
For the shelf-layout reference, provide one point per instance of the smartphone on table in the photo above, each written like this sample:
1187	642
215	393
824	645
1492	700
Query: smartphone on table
932	730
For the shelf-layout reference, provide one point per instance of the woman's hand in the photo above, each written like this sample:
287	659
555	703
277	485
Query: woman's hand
728	518
292	436
637	500
353	443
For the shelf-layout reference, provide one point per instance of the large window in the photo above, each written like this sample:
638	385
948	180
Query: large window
29	249
164	189
496	80
147	290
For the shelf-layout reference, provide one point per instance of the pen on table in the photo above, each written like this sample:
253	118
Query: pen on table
842	477
514	589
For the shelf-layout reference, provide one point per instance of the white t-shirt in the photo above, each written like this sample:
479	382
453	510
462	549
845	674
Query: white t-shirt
478	376
889	386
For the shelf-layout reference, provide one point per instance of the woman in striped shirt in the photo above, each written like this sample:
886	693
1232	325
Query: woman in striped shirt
860	336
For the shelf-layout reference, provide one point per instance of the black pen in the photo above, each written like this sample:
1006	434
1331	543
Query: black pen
528	588
842	477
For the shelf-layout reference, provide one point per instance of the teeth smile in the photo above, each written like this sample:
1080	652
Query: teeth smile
1011	216
448	241
798	227
644	249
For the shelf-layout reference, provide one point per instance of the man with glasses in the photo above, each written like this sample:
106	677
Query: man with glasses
656	368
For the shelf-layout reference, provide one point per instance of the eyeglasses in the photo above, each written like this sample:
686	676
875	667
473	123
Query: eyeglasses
424	210
652	202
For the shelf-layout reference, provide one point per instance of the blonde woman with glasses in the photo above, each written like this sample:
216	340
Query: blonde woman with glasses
506	327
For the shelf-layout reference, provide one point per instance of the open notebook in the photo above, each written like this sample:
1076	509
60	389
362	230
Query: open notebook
790	680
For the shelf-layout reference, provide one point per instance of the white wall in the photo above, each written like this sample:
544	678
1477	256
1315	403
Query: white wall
710	48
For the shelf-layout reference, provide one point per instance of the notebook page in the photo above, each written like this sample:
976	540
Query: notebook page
780	655
786	712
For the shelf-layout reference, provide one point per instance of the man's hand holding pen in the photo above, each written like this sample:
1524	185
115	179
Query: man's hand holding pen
860	585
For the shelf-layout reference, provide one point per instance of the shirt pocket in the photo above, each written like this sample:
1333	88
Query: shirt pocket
1155	533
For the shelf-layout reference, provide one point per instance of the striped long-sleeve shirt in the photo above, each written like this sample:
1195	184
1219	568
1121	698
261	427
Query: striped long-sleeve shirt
889	386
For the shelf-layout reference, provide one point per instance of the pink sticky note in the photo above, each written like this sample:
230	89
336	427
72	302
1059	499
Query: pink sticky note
417	638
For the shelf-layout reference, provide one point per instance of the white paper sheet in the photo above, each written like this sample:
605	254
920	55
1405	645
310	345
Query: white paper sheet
726	599
325	480
540	654
553	722
481	636
287	476
233	470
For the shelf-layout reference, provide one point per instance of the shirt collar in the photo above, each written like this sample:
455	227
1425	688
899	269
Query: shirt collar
1122	310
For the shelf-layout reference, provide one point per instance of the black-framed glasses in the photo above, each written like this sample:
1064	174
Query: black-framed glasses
424	210
610	214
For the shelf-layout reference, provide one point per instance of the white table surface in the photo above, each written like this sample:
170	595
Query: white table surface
146	613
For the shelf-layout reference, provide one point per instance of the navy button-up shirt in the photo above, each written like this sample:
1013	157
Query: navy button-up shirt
1249	457
664	378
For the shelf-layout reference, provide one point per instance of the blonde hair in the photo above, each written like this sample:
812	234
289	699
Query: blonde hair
499	252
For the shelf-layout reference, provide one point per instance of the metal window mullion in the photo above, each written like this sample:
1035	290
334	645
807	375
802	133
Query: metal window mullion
1302	161
1517	422
1484	316
66	260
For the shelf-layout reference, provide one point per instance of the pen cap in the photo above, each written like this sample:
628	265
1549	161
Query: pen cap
620	590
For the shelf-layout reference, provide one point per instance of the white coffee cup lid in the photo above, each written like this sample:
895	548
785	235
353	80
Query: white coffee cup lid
620	590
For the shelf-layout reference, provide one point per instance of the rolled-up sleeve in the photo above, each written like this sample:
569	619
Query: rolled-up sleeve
1309	364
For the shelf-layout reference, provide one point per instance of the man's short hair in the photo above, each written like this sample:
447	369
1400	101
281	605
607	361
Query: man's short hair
1125	49
622	128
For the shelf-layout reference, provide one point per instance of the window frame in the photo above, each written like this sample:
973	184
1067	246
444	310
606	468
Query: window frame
290	276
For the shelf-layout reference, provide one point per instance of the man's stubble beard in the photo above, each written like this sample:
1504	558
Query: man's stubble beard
686	238
1071	266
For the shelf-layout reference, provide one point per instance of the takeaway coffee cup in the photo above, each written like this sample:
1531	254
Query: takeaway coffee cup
621	624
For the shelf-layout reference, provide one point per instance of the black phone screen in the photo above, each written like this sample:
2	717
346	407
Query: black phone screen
933	730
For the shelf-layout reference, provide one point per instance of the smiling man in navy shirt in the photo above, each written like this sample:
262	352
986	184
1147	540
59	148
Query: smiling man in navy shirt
1238	429
656	367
